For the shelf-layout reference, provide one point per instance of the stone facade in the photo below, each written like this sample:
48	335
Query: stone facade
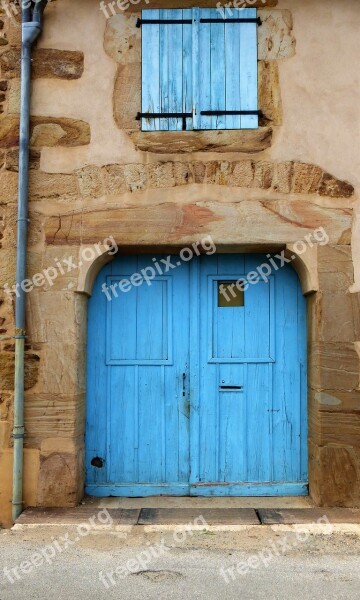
93	174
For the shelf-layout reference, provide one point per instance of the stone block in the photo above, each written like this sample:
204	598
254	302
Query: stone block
45	131
164	219
335	188
334	475
161	175
64	260
91	182
263	175
12	160
242	174
275	39
269	93
114	177
8	187
306	178
127	95
334	367
122	39
340	320
61	479
51	185
173	142
5	434
217	173
49	415
64	230
62	369
183	173
13	96
7	370
282	177
335	401
46	63
6	403
136	177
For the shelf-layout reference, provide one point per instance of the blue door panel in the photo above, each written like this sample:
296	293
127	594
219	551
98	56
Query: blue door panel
187	396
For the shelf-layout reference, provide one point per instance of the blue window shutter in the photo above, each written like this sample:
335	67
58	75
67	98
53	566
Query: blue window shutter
166	69
204	66
225	67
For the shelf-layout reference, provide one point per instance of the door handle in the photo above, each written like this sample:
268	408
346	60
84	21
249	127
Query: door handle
183	385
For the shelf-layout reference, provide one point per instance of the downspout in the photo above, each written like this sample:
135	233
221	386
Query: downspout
31	28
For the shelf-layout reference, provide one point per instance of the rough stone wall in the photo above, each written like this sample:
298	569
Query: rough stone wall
94	174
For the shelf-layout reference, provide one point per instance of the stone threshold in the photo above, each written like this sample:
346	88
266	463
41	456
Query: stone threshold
195	518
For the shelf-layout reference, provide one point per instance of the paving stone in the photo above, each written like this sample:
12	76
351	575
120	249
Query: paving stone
77	515
288	516
212	516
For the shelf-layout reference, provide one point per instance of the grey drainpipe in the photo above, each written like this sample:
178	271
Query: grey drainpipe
31	28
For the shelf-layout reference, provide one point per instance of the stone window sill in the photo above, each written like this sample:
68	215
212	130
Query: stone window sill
171	142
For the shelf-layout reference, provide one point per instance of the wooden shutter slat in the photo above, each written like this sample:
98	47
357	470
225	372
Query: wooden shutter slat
151	71
202	62
217	69
175	79
196	69
187	61
164	71
248	70
232	54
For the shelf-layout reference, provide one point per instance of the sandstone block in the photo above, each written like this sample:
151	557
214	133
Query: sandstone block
136	177
269	93
183	173
336	401
122	39
306	178
51	185
8	187
161	175
172	142
334	366
263	175
12	160
334	475
127	95
91	182
61	479
6	403
282	177
115	182
199	172
52	415
340	317
275	39
47	63
7	370
333	187
242	174
45	131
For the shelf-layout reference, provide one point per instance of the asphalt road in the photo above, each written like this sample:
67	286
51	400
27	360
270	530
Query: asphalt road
51	563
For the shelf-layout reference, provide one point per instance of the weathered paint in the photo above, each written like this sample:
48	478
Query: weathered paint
199	67
186	397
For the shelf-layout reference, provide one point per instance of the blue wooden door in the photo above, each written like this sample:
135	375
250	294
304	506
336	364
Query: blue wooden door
192	391
137	409
249	414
